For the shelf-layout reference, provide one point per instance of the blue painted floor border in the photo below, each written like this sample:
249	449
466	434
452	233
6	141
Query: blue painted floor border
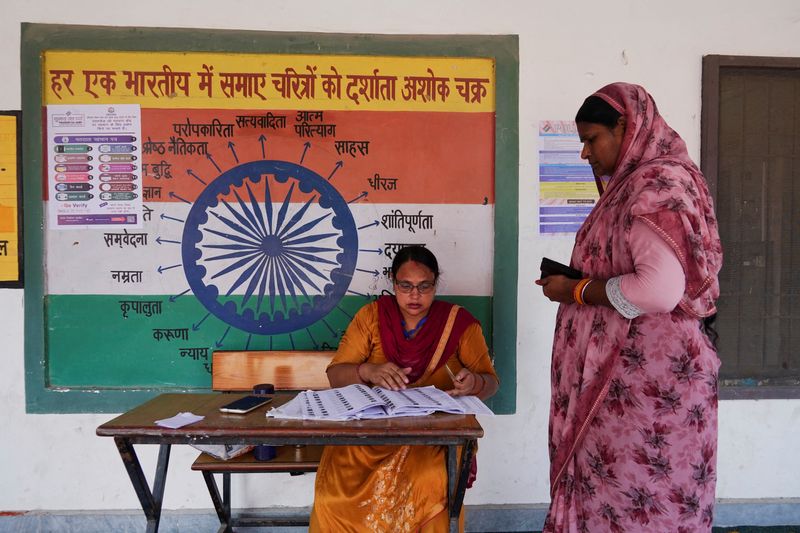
480	518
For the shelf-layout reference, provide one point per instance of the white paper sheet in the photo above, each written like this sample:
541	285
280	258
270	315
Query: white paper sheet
179	420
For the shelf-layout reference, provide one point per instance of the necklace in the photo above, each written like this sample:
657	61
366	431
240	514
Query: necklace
410	333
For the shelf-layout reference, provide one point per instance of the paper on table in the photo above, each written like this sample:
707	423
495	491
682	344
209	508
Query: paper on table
473	405
424	400
179	420
342	403
292	410
360	401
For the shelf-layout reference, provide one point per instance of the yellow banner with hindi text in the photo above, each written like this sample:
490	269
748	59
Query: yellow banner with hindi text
206	80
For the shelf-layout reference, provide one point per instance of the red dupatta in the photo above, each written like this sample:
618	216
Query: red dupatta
418	351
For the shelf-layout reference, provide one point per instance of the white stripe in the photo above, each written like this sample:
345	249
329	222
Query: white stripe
461	236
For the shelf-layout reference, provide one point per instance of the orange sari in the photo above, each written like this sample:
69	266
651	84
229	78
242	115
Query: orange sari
389	488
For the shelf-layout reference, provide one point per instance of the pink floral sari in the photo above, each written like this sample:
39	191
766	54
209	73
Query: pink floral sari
633	419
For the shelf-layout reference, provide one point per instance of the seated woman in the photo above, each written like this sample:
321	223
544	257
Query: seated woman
394	343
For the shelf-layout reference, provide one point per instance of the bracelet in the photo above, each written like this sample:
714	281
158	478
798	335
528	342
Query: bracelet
583	292
577	291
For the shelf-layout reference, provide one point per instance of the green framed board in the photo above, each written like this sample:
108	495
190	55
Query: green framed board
188	190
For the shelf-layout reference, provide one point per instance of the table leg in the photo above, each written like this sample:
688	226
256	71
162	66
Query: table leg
451	485
467	452
226	496
221	505
150	501
457	484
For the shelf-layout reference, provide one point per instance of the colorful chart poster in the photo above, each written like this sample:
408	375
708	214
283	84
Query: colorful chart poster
276	190
94	166
10	267
567	191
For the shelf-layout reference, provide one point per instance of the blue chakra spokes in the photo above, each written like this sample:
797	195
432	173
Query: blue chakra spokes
270	257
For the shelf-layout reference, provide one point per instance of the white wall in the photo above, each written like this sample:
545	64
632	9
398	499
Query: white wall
567	50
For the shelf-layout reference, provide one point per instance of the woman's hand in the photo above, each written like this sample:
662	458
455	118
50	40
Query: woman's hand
387	375
466	383
558	288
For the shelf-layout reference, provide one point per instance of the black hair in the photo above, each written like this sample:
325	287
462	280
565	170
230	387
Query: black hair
595	110
707	326
418	254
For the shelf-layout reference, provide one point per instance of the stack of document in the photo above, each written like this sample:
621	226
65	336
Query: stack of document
362	402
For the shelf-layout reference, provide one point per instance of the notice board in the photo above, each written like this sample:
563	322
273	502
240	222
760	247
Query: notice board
10	193
194	190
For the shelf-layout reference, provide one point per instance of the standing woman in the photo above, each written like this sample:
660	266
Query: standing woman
633	416
406	340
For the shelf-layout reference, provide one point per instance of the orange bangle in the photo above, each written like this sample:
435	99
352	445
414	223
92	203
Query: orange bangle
583	291
577	291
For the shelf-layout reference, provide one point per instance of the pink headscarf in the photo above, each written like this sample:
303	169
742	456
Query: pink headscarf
655	179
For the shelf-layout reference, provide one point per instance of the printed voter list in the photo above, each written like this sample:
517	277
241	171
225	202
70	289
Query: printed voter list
362	402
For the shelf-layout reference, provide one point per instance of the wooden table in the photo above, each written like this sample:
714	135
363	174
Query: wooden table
137	426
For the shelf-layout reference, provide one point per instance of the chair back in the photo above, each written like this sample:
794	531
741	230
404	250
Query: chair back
233	370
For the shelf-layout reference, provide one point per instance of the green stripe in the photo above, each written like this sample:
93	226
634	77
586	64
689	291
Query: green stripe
93	347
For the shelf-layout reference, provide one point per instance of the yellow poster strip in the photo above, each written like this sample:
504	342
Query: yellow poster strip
205	80
9	231
570	189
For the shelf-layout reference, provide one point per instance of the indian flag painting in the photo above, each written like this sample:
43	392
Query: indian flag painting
203	201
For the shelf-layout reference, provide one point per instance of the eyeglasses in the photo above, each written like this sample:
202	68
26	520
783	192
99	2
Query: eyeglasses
423	288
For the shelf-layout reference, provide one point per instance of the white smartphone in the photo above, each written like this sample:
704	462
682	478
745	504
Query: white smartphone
245	405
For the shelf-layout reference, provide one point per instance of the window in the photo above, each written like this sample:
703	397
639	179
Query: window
751	158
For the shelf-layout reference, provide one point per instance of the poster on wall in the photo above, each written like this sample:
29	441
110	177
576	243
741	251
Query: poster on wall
10	226
262	200
567	191
93	167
